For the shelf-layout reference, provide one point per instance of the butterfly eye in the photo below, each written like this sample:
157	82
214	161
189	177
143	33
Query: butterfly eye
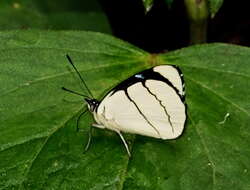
92	104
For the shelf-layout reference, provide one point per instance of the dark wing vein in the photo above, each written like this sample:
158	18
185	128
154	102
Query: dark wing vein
160	102
126	92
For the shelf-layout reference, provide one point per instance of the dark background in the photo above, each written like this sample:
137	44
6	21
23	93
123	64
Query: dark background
166	28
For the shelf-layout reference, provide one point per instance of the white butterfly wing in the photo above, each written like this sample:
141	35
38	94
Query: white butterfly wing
173	74
112	113
152	108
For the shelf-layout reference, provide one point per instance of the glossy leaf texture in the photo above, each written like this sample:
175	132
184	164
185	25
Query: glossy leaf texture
213	153
53	15
39	145
214	6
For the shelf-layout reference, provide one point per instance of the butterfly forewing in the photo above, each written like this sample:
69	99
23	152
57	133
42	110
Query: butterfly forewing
174	75
171	106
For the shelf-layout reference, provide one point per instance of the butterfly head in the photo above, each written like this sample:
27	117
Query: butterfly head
92	104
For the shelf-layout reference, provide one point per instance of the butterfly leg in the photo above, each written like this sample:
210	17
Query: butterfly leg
90	135
78	120
98	125
89	140
124	142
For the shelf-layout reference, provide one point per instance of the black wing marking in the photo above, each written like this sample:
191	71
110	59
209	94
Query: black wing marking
146	75
182	81
130	99
160	102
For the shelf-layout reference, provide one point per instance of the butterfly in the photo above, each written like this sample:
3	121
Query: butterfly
149	103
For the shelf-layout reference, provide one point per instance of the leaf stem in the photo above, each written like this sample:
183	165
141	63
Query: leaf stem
197	11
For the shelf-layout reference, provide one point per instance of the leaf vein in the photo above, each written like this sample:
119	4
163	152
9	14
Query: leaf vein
216	70
206	151
111	53
124	172
219	95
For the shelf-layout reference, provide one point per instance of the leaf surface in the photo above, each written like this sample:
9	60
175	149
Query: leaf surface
39	145
53	15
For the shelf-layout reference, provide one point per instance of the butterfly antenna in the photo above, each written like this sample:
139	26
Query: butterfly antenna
71	62
73	92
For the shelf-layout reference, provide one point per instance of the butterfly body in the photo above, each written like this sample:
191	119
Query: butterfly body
149	103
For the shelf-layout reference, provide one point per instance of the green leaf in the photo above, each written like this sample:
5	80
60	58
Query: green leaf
214	6
59	15
148	5
39	145
213	153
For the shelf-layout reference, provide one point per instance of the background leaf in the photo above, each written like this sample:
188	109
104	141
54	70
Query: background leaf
40	149
214	6
148	5
58	15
